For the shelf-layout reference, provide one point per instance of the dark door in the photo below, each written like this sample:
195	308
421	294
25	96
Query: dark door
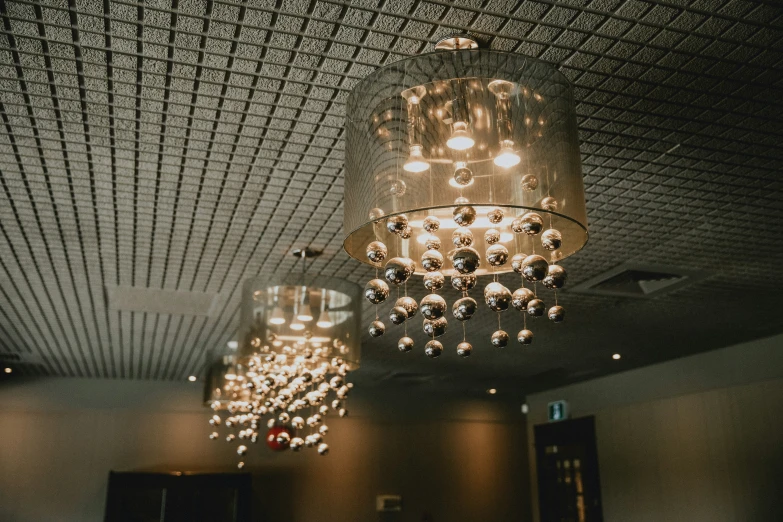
568	486
161	497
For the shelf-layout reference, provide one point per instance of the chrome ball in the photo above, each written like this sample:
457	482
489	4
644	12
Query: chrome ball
463	282
297	423
464	215
525	337
405	344
534	268
376	252
433	349
432	243
532	224
406	233
499	339
398	188
433	306
434	281
466	260
283	438
376	213
556	314
549	203
463	176
398	315
462	237
323	449
461	200
521	297
431	224
296	443
377	328
396	224
435	327
464	349
398	270
551	239
535	307
516	262
431	260
464	308
497	255
491	236
529	182
409	304
495	216
555	277
376	291
497	297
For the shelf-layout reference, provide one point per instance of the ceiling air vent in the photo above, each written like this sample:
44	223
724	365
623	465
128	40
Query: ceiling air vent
639	281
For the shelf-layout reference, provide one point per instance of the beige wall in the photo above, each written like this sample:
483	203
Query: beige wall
699	438
58	440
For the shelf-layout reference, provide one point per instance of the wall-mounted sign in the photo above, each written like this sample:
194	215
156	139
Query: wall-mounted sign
557	411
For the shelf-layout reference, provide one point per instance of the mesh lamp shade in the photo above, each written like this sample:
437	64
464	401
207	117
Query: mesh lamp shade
318	320
495	129
224	383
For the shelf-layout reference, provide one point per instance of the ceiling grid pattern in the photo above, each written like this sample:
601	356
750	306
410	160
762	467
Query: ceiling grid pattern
190	144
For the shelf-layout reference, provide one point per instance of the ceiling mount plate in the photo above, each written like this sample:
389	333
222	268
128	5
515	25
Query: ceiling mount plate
306	252
456	42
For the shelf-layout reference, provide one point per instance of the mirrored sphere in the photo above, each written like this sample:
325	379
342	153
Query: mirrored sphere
409	304
376	213
240	465
433	349
283	438
462	200
434	281
323	449
406	233
431	260
556	314
536	307
495	216
549	203
376	291
551	239
466	260
464	308
497	296
241	450
405	344
462	237
435	327
464	349
433	306
529	182
499	339
525	337
297	423
296	443
432	243
398	315
516	262
532	224
534	268
521	297
555	277
497	255
283	417
398	270
463	176
463	282
323	429
214	435
377	328
464	215
376	251
517	225
491	236
342	412
397	188
431	224
396	224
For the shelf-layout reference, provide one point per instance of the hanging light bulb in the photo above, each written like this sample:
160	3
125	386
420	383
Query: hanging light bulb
460	137
305	313
277	317
507	157
324	319
296	324
416	161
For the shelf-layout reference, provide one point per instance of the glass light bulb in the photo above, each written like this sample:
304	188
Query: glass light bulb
507	157
305	315
324	320
460	137
277	317
296	325
416	161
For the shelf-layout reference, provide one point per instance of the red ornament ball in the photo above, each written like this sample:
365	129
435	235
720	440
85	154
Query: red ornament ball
278	438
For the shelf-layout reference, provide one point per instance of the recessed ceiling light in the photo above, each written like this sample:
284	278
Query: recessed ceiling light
192	378
492	391
616	356
8	370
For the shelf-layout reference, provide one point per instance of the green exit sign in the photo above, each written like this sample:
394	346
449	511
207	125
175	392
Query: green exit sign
558	410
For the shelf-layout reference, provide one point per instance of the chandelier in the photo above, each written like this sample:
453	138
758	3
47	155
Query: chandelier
461	163
299	339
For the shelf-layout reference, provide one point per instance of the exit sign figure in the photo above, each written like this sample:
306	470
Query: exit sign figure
558	410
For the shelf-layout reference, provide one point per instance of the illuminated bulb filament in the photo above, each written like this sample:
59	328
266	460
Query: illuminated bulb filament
416	161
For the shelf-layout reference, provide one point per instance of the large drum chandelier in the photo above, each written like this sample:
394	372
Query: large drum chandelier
299	339
460	163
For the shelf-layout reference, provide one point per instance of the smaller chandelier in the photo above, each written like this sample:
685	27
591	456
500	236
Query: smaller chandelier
461	163
300	340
